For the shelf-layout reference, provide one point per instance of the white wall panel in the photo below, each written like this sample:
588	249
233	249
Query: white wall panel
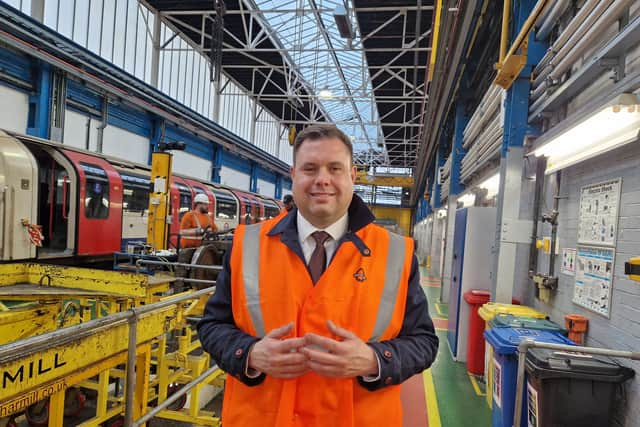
191	165
75	130
125	145
266	188
234	178
15	107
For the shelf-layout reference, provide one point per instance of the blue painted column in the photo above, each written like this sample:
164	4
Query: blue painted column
437	188
511	275
217	164
457	151
278	187
253	183
39	121
156	136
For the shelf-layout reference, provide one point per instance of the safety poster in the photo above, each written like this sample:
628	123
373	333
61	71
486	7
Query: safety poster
594	274
598	216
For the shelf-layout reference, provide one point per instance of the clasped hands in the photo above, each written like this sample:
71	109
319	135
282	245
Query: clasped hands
288	358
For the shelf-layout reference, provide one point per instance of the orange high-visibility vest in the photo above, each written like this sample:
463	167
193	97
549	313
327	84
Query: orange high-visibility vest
362	292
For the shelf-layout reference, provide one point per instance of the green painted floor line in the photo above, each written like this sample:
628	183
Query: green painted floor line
458	403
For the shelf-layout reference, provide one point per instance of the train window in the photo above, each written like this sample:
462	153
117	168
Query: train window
226	206
271	210
135	193
96	201
185	199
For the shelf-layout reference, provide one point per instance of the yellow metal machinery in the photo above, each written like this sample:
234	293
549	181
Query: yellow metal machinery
512	62
384	180
65	332
401	217
159	206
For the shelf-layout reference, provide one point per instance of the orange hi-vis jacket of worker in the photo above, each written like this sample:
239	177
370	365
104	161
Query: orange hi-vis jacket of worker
191	220
369	300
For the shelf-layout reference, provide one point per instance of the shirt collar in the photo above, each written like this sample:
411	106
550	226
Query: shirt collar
335	230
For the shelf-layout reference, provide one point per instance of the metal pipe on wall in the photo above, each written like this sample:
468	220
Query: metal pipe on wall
583	15
569	55
541	165
550	19
554	226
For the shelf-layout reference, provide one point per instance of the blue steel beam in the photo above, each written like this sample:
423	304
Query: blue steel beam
516	109
39	118
457	153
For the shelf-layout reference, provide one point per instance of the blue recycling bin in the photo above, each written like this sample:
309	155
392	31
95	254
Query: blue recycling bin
505	369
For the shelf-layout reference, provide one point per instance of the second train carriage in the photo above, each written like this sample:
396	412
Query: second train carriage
91	205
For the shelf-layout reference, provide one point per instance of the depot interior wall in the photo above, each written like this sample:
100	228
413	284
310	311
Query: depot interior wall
14	105
81	131
266	188
621	330
234	178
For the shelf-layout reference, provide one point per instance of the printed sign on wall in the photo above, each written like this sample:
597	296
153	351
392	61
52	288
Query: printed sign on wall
569	261
598	216
594	275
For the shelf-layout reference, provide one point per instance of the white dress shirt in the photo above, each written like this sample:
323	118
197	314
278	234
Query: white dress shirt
308	244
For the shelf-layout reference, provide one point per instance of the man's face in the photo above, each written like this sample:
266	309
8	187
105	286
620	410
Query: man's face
323	178
202	208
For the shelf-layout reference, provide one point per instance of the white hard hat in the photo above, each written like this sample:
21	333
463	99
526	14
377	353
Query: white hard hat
201	198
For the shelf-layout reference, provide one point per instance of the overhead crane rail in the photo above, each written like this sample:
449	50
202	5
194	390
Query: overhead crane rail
89	349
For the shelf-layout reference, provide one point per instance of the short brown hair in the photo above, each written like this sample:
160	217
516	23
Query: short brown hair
321	131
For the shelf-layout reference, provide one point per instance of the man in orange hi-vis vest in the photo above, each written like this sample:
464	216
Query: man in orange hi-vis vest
318	315
195	223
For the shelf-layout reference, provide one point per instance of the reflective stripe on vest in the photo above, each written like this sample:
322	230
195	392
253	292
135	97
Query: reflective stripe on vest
250	275
393	272
250	278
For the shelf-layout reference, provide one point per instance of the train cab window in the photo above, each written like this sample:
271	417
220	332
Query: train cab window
226	206
135	193
96	202
185	200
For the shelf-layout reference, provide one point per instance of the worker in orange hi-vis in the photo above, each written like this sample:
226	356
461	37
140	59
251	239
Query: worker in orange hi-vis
196	222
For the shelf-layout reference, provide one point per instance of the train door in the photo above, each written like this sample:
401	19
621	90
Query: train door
18	198
245	208
57	184
99	205
135	204
257	210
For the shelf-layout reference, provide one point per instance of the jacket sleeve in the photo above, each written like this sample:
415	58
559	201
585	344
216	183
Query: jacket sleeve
415	347
228	345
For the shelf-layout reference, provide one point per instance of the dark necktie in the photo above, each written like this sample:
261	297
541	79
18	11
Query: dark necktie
318	260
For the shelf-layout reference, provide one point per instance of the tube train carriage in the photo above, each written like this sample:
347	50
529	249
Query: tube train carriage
91	205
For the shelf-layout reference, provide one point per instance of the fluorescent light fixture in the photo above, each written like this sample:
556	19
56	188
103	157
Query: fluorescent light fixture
467	200
492	185
325	93
615	124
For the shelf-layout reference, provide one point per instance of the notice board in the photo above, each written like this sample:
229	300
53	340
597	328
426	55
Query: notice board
594	276
598	215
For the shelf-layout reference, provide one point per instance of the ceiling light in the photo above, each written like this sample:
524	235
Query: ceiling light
341	16
615	124
492	185
325	93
